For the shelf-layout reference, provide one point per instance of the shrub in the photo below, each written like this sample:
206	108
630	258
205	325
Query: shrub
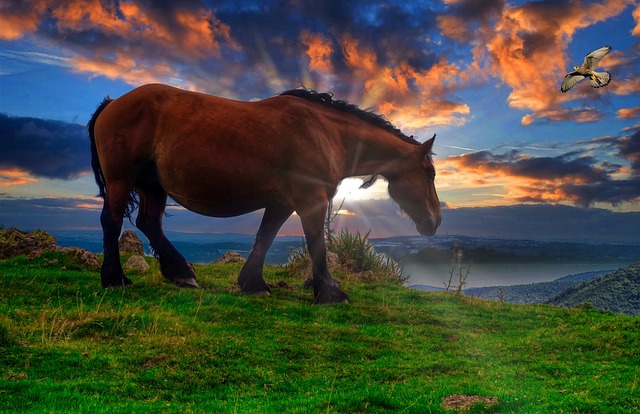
356	256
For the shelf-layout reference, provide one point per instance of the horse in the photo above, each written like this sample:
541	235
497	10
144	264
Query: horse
222	158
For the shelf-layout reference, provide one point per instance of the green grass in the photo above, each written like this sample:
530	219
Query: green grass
67	345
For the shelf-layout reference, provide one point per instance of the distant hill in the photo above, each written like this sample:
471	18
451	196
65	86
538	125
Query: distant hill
533	292
617	291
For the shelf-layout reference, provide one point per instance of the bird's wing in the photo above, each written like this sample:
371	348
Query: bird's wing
570	80
592	59
600	79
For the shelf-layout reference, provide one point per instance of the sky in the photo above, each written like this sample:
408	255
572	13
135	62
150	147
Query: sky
515	157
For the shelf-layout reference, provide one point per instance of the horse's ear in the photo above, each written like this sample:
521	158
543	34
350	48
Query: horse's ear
427	146
368	182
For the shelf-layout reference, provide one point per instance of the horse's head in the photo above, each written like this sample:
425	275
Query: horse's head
412	187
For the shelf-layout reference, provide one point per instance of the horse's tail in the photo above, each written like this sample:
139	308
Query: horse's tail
95	161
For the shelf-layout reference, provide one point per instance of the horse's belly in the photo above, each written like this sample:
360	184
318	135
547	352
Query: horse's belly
220	207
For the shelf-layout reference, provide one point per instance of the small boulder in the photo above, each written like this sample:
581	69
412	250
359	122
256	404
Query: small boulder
230	257
130	243
14	242
81	256
136	264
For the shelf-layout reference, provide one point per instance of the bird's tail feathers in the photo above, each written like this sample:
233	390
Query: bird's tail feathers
600	79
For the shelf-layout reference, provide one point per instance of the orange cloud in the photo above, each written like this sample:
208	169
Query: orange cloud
122	66
626	86
629	113
410	97
16	20
636	17
15	176
92	203
454	27
319	51
151	41
527	49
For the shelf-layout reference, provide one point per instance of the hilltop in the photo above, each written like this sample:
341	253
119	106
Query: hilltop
617	291
67	345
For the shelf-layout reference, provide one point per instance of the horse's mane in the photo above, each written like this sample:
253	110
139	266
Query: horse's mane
326	99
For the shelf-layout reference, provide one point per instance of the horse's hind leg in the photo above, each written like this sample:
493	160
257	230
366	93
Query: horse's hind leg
115	204
173	265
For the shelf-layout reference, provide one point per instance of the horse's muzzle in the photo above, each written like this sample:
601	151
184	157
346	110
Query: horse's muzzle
428	226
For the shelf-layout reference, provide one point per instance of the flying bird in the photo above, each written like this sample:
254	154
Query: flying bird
587	70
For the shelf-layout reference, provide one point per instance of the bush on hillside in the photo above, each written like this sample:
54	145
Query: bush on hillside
351	254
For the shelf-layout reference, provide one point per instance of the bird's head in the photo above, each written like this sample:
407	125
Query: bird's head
576	68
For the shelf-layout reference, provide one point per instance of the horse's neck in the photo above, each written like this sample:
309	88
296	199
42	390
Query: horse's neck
377	152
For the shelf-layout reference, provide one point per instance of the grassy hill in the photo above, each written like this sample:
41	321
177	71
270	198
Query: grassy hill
67	345
618	291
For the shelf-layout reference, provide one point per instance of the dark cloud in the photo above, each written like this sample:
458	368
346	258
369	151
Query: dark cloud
565	166
629	149
476	10
573	176
44	148
607	191
462	19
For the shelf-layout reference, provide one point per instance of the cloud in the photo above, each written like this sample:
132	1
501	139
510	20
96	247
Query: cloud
33	147
465	18
575	176
636	17
629	113
15	176
19	17
514	163
629	149
528	47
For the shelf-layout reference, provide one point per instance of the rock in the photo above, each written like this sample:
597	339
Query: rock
81	256
130	243
14	242
136	264
230	257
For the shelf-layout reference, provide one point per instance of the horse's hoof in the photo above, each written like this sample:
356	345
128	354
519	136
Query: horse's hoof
330	295
186	283
254	287
125	281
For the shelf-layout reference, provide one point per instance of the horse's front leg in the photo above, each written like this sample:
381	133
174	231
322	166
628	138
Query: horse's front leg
250	278
325	288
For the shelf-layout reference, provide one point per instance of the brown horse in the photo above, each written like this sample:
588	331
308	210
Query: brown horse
223	158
